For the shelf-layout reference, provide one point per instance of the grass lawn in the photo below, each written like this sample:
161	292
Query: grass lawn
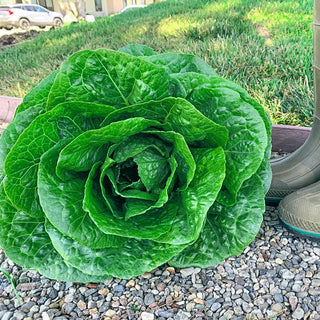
265	46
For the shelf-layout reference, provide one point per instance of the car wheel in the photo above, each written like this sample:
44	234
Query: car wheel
24	24
57	22
8	28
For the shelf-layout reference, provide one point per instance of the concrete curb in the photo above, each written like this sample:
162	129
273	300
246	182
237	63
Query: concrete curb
8	107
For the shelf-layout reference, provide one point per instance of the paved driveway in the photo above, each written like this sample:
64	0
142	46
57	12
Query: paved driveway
4	32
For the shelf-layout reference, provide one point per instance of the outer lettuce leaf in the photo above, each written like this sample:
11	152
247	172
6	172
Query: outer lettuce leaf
248	138
38	96
26	242
136	257
138	50
128	80
34	104
180	63
171	62
249	127
21	165
228	230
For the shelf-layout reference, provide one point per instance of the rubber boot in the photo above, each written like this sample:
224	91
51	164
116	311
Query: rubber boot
302	167
300	211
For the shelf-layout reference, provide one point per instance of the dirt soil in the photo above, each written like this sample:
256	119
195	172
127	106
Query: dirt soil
9	40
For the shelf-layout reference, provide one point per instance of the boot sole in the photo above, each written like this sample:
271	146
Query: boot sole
301	233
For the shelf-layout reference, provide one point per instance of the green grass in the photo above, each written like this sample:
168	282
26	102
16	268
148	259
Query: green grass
264	46
12	281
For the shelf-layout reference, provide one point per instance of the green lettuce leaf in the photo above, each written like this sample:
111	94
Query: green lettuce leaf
34	104
227	230
21	165
26	242
138	50
129	80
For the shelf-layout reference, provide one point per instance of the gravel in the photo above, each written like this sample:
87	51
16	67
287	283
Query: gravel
277	276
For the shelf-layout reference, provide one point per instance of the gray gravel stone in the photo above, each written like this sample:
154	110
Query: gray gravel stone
53	294
287	274
209	302
69	307
119	288
187	272
148	299
246	307
7	315
215	306
298	313
165	314
27	306
278	297
69	298
19	315
104	307
182	315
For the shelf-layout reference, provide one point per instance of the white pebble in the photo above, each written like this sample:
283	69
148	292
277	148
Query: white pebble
147	316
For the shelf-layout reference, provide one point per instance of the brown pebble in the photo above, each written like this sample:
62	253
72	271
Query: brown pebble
153	305
171	270
94	310
169	300
81	305
146	275
110	313
103	291
161	286
198	300
131	283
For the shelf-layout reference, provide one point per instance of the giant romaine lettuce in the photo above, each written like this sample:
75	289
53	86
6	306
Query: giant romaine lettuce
122	161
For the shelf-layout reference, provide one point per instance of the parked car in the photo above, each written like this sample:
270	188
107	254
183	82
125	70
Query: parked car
26	15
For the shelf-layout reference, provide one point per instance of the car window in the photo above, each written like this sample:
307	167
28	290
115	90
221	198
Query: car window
28	8
4	8
17	7
39	9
